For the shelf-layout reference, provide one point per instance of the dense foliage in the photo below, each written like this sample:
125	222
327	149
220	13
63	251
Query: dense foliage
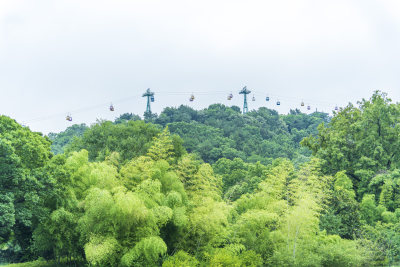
223	132
62	139
206	188
213	133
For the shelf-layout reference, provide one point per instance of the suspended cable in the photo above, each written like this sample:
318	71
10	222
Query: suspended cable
265	96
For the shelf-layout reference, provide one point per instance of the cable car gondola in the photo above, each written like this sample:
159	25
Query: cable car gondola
230	96
68	118
336	108
302	103
111	107
308	107
254	98
267	98
191	98
278	103
152	98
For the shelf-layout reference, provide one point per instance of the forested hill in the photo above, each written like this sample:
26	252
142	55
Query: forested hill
223	132
206	188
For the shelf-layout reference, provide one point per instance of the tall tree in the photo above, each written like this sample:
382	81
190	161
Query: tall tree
361	141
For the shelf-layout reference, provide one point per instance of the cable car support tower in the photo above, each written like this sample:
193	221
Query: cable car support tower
150	98
245	92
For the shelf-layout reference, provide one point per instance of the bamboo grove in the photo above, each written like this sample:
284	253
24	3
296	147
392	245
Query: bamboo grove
206	188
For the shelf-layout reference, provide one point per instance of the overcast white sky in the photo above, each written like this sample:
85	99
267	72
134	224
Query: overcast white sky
78	56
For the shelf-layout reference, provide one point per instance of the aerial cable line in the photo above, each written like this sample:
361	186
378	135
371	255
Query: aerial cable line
257	93
81	110
268	97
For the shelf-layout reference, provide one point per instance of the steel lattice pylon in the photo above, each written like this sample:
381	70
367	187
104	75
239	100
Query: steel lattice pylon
148	94
245	92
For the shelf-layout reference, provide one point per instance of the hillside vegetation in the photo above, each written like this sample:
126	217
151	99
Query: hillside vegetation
206	188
